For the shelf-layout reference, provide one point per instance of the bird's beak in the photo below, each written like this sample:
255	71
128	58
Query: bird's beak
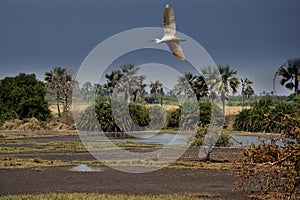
152	41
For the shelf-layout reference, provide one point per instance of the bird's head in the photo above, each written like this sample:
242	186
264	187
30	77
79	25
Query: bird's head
155	40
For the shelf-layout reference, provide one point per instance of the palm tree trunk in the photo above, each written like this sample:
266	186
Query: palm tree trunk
57	104
66	106
296	83
224	100
243	98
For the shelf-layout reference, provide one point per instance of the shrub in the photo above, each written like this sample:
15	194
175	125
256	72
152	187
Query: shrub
274	169
173	118
157	119
205	112
254	120
224	140
101	116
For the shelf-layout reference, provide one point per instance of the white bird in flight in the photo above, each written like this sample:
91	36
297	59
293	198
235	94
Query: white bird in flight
170	37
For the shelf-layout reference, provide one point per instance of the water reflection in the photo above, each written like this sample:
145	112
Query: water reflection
161	138
85	168
181	139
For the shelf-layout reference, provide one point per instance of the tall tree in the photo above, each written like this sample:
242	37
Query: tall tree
221	80
139	91
59	80
246	90
87	90
112	81
156	88
200	87
22	97
185	84
130	81
290	73
229	82
125	81
190	84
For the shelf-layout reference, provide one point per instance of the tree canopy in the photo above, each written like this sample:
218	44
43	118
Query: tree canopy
22	97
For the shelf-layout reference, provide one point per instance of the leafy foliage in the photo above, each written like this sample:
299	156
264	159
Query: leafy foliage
101	116
253	120
173	118
290	73
59	82
22	97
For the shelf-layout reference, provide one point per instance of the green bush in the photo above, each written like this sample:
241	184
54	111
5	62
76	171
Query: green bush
23	97
173	118
100	117
157	120
223	138
140	116
254	119
205	112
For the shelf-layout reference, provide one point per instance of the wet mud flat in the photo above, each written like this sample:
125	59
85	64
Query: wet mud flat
110	181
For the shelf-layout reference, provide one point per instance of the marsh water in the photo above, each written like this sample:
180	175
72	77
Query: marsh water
175	139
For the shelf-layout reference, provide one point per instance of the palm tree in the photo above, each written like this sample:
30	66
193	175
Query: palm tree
130	81
290	72
112	81
59	80
221	80
213	79
86	90
190	84
156	87
200	87
185	84
229	82
138	92
246	90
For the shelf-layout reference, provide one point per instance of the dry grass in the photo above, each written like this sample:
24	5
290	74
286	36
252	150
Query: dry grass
92	196
234	110
53	108
23	163
230	110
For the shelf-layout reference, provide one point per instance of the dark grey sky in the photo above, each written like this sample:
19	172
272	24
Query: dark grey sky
253	36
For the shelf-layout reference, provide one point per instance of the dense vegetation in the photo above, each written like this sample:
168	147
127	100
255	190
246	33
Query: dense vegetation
139	114
23	97
254	120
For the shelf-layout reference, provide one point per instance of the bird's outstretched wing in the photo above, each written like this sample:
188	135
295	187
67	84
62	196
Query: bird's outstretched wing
169	21
176	49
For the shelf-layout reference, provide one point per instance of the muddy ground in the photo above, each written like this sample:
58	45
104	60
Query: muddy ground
163	181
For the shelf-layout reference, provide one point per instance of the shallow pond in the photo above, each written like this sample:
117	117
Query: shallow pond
248	140
175	139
